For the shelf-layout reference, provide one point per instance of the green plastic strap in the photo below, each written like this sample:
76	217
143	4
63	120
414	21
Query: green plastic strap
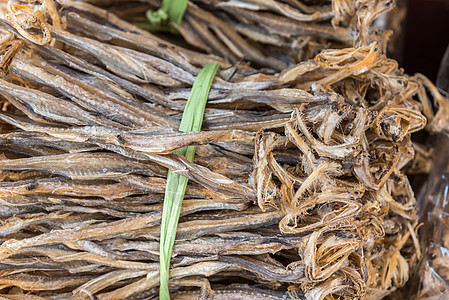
192	119
166	18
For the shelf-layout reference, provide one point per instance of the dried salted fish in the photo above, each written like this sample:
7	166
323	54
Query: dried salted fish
80	93
224	244
9	48
264	23
198	228
29	22
146	140
235	292
61	186
42	283
82	165
131	65
299	187
150	94
43	107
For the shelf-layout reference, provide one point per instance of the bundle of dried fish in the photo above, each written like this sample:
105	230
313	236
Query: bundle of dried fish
349	189
273	33
298	188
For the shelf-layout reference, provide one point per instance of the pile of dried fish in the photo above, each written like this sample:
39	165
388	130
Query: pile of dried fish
298	188
273	34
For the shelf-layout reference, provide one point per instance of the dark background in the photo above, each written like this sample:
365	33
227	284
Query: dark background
426	36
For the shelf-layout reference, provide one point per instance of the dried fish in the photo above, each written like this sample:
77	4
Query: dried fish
85	166
80	93
29	22
299	187
129	64
46	108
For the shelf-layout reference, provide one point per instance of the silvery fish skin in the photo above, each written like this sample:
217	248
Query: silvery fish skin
61	186
134	66
234	41
34	138
29	150
39	71
202	175
152	45
95	255
201	268
41	283
148	144
202	33
293	11
282	99
84	232
150	140
236	293
229	245
198	228
85	166
149	93
122	227
145	42
280	24
322	147
220	244
43	107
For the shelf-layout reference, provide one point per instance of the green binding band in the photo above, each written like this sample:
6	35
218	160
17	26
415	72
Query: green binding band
192	118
